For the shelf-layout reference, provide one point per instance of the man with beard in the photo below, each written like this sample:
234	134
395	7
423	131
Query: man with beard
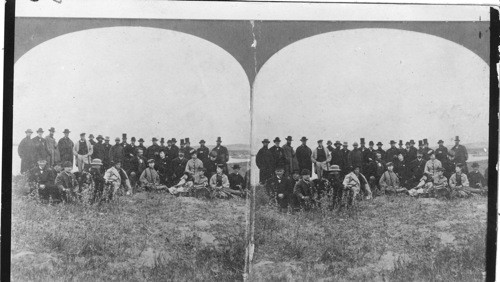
344	166
153	151
303	155
222	154
421	148
25	151
304	190
441	151
169	150
99	150
280	189
290	160
355	157
278	154
461	155
54	156
392	153
178	168
116	153
202	152
210	164
141	145
107	150
82	151
320	157
40	148
265	162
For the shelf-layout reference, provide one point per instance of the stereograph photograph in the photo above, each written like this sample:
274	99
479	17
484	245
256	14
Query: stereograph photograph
190	141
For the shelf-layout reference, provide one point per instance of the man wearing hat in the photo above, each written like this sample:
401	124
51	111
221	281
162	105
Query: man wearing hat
476	179
54	156
389	181
128	152
304	191
82	151
91	139
236	180
141	145
99	151
25	151
320	157
392	153
337	189
329	146
280	189
303	155
265	162
459	183
175	149
363	150
116	153
150	179
278	153
290	159
426	150
355	181
222	154
178	168
40	148
411	152
96	176
380	150
461	155
355	157
210	164
41	178
417	170
219	184
401	147
131	149
106	161
421	148
369	154
202	152
441	151
117	177
187	148
336	155
153	151
162	143
344	165
137	165
66	182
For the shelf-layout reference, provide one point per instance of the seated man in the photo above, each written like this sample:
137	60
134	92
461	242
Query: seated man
41	181
459	184
476	179
92	182
281	188
192	185
66	183
116	177
336	186
178	168
389	181
219	183
150	179
236	181
355	181
138	164
304	190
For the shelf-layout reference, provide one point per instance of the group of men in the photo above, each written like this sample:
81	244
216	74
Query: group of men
418	171
48	165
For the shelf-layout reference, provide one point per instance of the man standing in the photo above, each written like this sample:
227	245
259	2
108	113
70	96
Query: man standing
265	162
278	154
412	152
427	151
40	148
178	167
162	143
107	151
154	150
116	153
128	152
461	155
380	150
363	150
320	157
25	151
210	164
222	154
54	156
164	167
169	151
175	149
369	154
421	148
303	155
141	145
401	148
91	140
280	188
329	146
82	151
203	151
355	157
125	160
392	153
441	151
344	165
187	147
99	151
236	181
289	156
137	165
449	165
336	155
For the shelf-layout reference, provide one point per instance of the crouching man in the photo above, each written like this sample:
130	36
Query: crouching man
389	181
354	182
304	190
41	182
150	179
115	177
66	183
281	188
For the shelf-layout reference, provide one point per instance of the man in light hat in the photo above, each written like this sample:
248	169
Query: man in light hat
91	139
303	155
41	179
441	151
265	162
99	151
461	155
202	152
304	191
107	158
150	179
25	151
222	154
116	153
337	189
278	153
290	159
54	156
153	151
280	189
476	179
66	182
40	148
236	180
344	165
116	177
355	157
392	153
320	157
141	145
82	151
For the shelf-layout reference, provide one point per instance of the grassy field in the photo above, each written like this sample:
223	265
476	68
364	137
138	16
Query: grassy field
391	238
149	236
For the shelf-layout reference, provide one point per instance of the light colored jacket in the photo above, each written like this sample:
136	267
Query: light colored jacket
389	179
213	181
453	180
193	165
77	147
150	176
432	166
351	181
113	175
314	155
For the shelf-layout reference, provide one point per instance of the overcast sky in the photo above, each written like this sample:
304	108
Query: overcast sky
142	81
380	84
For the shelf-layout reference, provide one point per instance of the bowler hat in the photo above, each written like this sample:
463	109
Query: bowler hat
221	165
42	161
91	136
337	143
277	139
169	141
174	140
52	129
151	161
412	142
440	169
107	138
265	141
420	143
99	137
82	134
202	141
132	139
117	139
28	131
236	166
154	139
362	141
305	171
67	164
334	168
457	139
440	141
345	143
289	138
392	142
162	140
379	143
186	140
303	138
218	139
425	141
407	143
66	131
124	135
329	142
460	164
355	144
96	162
39	130
370	143
320	141
141	140
475	165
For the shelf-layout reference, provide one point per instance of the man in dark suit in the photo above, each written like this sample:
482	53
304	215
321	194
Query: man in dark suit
116	153
107	157
236	180
141	145
280	189
153	151
303	154
344	166
175	149
178	168
427	152
380	150
278	154
25	151
416	168
392	153
304	190
461	155
40	148
441	151
337	155
412	152
265	162
41	178
203	151
137	165
222	154
65	146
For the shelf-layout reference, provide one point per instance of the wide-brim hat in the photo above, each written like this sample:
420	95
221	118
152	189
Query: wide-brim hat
457	139
82	134
303	138
202	141
91	136
99	137
174	140
329	142
393	142
66	131
52	129
440	141
475	165
277	139
265	141
236	166
96	162
371	143
337	143
320	141
39	130
305	171
380	144
345	144
28	131
141	140
289	138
